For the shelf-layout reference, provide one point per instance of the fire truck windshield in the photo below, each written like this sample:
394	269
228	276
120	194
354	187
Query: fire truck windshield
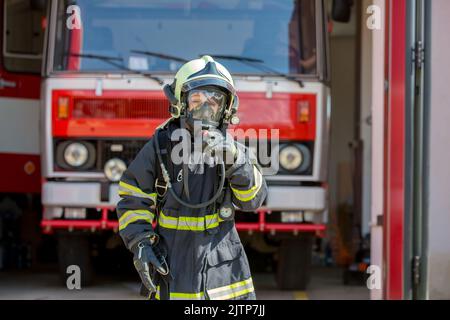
279	33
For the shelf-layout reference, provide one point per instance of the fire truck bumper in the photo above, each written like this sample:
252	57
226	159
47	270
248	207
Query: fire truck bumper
77	195
57	195
288	198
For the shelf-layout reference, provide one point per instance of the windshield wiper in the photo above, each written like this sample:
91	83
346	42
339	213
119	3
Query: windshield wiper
237	58
258	64
160	55
95	56
110	60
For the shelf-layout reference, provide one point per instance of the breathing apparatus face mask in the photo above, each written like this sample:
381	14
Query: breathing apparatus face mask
206	106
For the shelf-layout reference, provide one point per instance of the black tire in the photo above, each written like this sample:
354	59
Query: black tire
75	250
294	264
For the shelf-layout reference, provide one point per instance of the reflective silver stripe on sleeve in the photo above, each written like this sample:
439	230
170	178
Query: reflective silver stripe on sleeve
133	216
126	189
248	195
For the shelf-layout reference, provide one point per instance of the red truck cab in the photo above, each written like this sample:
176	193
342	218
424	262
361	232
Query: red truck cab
101	99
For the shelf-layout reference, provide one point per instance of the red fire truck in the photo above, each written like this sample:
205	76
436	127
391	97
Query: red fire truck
81	92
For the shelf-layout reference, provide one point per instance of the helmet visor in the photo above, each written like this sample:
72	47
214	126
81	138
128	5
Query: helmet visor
207	104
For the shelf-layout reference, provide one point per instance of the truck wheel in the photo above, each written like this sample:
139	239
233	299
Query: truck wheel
75	250
294	264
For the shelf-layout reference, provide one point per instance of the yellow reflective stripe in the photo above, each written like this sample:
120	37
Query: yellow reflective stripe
134	191
180	295
246	199
192	219
231	286
132	212
232	291
247	195
134	219
188	227
236	294
189	223
186	296
133	216
135	194
256	176
227	292
245	192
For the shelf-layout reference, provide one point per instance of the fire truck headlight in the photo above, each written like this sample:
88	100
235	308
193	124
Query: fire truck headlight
76	154
295	158
114	168
291	158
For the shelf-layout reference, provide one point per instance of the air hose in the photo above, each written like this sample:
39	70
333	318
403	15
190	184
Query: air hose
166	178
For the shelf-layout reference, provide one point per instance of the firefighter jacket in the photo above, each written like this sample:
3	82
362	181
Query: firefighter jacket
205	255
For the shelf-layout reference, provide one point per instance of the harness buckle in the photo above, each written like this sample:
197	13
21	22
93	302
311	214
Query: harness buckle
162	186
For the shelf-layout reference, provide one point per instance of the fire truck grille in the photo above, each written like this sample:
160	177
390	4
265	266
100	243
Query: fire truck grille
127	150
263	152
122	149
263	156
120	108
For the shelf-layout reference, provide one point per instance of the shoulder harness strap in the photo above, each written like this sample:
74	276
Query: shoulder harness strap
160	185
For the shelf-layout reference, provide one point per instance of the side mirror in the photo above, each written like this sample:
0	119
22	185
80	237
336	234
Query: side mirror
341	10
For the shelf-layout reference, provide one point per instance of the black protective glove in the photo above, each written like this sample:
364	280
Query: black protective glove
148	259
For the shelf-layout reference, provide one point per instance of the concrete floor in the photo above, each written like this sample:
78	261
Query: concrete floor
326	283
